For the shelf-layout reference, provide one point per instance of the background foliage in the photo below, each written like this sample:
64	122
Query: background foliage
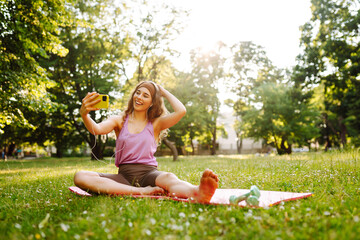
54	52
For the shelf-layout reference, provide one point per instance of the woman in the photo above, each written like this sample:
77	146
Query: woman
138	131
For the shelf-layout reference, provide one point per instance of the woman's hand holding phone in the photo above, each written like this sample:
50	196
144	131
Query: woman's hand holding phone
104	101
93	101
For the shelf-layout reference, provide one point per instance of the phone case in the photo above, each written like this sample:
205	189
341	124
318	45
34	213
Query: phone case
104	103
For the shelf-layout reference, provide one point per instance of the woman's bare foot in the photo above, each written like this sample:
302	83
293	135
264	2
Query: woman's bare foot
208	185
152	191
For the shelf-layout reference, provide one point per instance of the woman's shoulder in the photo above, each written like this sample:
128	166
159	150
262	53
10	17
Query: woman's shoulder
118	119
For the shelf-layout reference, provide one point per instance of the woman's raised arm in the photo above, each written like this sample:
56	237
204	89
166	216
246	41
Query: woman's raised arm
171	119
87	106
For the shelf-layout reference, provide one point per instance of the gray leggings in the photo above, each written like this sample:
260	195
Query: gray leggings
138	175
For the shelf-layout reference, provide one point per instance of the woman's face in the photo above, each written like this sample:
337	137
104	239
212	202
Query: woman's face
142	99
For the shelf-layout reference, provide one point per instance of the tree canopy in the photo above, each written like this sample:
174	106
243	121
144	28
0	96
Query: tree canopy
28	30
270	106
331	58
54	52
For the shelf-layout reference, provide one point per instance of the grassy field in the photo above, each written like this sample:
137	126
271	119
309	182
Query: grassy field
35	202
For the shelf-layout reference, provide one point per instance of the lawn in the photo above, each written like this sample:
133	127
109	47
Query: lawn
35	202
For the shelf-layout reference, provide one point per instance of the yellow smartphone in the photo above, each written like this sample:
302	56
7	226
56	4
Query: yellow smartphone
104	103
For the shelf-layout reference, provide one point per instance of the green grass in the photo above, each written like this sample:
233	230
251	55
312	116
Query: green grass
32	189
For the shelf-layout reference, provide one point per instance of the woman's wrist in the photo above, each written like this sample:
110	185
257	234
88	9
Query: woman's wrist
84	114
83	111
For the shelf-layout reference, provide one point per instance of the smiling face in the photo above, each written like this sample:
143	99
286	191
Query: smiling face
142	99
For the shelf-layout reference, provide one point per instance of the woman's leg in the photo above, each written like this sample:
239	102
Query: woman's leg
94	182
176	187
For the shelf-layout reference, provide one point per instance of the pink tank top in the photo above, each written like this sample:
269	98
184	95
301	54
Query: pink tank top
136	148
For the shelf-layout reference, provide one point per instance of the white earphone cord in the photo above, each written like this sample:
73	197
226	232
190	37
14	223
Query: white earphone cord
92	148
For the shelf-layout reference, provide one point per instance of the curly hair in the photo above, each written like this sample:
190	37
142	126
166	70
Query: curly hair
157	109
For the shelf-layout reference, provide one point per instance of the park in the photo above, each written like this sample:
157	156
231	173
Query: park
31	190
191	77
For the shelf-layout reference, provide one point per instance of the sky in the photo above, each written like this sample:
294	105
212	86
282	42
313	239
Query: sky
273	24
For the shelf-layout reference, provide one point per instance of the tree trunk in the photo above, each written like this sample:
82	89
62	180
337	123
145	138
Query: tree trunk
59	149
327	142
213	144
239	144
11	149
343	131
59	153
172	148
282	149
289	149
96	153
192	147
96	148
327	132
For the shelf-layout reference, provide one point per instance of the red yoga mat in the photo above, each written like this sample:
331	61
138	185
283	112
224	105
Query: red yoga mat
221	196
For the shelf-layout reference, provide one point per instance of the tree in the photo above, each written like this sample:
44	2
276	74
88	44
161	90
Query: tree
248	58
95	47
239	125
28	31
270	105
280	115
331	58
192	124
249	61
150	36
102	51
208	70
